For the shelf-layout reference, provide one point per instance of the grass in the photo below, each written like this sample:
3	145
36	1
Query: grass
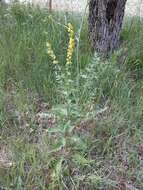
61	128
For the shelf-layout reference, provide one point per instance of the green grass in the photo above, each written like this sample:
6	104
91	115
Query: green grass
61	128
132	35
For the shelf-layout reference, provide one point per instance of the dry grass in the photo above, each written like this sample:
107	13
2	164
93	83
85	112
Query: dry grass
5	161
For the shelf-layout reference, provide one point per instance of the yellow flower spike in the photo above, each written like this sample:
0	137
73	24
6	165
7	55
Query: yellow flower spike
71	44
51	53
70	26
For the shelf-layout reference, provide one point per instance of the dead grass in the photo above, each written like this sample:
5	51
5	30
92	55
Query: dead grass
5	154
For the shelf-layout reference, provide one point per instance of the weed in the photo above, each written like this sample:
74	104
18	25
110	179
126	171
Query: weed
65	127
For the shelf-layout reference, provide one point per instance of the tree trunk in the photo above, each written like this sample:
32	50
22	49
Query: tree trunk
105	22
50	5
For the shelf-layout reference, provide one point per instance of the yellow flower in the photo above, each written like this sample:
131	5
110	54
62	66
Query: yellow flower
71	44
70	27
51	53
55	62
48	45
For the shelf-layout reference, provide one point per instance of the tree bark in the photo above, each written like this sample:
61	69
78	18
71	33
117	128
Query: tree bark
105	23
50	5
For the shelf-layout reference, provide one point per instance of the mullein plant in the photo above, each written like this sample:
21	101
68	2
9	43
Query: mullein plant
56	66
71	44
51	53
70	49
65	83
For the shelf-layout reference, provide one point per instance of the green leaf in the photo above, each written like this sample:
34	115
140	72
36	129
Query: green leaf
81	160
95	178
